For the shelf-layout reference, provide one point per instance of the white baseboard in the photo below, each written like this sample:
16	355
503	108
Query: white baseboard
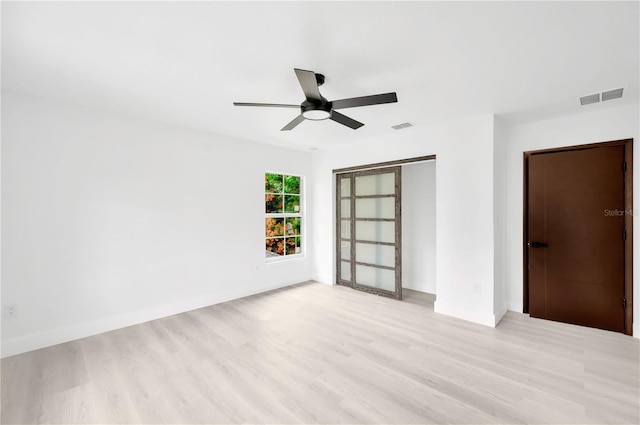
516	306
635	328
61	335
461	313
499	314
420	287
327	279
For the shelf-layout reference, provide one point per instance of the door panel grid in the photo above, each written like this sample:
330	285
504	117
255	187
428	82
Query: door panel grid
368	236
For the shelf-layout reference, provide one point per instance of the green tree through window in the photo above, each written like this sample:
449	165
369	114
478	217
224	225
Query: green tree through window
283	221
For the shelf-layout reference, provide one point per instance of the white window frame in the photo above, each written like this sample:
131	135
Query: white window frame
284	215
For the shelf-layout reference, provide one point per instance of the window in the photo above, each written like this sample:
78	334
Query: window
283	215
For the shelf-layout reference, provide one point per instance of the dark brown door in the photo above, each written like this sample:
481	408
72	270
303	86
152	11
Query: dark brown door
576	236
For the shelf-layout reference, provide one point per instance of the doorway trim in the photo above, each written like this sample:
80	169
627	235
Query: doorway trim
628	222
384	164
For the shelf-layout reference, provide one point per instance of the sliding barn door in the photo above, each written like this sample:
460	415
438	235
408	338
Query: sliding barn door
368	231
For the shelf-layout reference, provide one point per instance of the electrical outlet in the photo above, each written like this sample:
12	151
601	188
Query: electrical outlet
477	288
10	311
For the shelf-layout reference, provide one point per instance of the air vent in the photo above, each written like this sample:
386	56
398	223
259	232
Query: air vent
588	100
611	94
604	96
401	126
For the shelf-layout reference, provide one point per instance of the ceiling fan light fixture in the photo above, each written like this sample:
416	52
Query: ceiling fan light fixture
316	114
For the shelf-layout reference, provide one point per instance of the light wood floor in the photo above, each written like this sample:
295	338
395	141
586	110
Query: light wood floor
319	354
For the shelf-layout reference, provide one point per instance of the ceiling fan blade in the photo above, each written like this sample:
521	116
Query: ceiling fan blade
309	84
270	105
375	99
345	120
297	120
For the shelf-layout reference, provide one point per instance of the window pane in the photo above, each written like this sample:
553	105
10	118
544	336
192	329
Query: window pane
292	226
292	203
291	184
274	227
273	183
345	271
375	277
376	184
382	255
293	245
345	229
345	208
345	250
376	207
377	231
274	247
345	187
273	203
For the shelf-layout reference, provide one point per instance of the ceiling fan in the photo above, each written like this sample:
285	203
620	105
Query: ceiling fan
317	108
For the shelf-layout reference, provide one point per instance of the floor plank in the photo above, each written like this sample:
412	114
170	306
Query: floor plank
313	353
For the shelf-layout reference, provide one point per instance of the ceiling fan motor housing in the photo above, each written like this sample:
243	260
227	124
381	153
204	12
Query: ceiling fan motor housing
316	111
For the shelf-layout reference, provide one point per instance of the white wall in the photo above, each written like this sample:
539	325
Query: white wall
599	124
109	221
464	220
499	229
464	207
419	226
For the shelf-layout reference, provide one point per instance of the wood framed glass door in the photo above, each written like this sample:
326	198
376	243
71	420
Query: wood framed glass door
368	231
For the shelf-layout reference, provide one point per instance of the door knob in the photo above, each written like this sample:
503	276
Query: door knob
537	245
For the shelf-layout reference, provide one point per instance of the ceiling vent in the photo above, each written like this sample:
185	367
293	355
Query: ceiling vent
401	126
604	96
611	94
588	100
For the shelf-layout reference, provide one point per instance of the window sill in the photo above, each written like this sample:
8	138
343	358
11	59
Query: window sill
285	259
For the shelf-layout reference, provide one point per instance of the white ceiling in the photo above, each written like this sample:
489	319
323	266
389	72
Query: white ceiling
184	63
